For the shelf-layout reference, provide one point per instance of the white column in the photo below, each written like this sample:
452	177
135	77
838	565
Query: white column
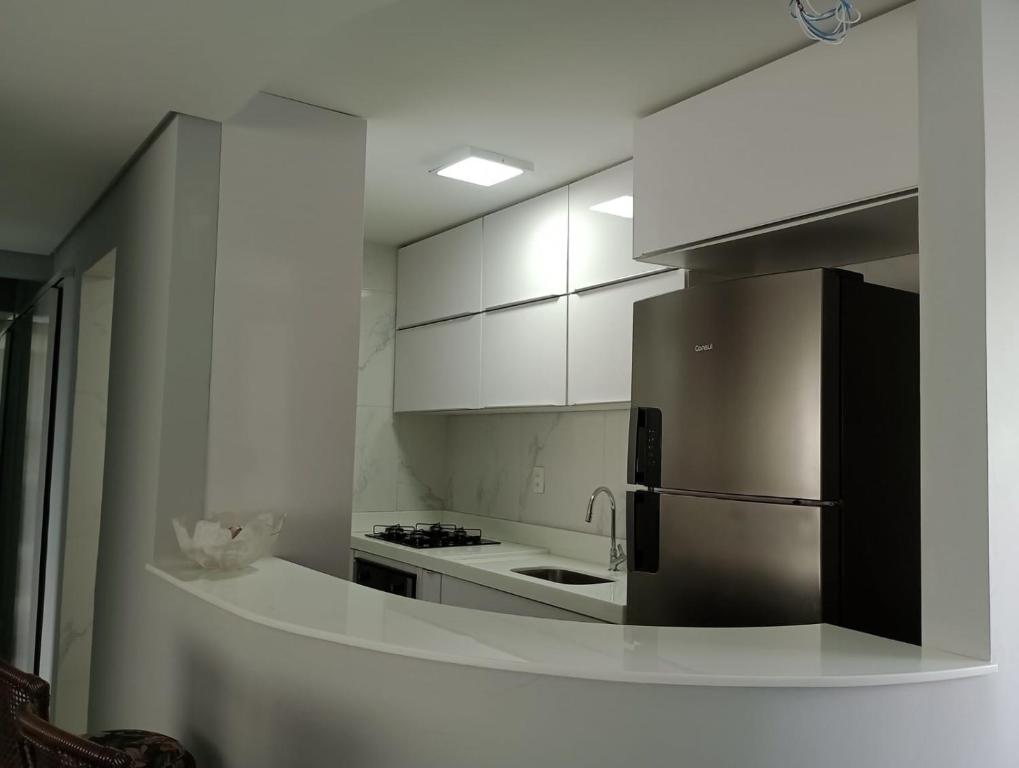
285	338
969	205
952	329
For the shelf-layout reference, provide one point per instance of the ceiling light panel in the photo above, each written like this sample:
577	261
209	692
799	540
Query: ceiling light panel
481	167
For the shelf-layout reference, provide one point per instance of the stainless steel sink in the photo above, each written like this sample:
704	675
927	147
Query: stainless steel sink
561	576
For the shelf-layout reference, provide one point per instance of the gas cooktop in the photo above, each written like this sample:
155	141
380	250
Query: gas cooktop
429	535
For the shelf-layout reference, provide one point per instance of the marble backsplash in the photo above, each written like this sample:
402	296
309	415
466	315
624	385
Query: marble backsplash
477	464
492	458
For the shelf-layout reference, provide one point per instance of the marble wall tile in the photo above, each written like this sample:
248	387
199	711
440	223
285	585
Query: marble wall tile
617	436
376	460
579	450
486	464
422	475
84	507
376	355
570	447
85	477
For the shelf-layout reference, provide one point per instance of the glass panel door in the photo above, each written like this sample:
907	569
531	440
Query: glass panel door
25	459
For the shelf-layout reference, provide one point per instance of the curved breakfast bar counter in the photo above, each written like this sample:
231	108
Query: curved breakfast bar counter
328	667
293	599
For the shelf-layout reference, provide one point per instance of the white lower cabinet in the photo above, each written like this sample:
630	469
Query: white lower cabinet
466	594
438	366
523	355
601	337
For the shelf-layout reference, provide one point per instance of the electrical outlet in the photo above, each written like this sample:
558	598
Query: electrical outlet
538	480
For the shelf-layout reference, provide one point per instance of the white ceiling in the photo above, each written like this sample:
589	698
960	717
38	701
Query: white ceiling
556	82
83	82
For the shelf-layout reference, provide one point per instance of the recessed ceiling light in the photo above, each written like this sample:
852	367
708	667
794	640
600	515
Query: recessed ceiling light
481	167
617	206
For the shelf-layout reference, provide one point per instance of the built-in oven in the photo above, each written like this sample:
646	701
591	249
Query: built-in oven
384	578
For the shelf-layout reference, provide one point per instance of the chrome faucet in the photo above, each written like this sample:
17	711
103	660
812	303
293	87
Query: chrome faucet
617	556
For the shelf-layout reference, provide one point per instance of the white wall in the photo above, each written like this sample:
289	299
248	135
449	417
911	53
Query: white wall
953	332
969	324
285	343
161	219
1001	112
25	266
902	272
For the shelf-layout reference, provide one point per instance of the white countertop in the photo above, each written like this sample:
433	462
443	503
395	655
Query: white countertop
294	599
493	565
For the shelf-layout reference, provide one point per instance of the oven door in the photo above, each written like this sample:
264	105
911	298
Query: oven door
384	578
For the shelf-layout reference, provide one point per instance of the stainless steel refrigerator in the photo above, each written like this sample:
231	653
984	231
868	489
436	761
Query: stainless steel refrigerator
774	444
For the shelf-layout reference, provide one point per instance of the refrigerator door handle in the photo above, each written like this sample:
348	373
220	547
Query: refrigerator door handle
644	457
643	521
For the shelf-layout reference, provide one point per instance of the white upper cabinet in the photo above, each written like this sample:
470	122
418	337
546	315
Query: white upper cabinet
525	250
440	276
824	127
523	355
438	366
601	241
601	337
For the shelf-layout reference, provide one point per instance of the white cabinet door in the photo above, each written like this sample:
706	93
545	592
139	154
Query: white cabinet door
523	355
466	594
438	366
601	241
823	127
440	277
601	337
525	250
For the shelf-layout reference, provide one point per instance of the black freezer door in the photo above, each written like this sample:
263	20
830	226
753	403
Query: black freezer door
700	562
728	389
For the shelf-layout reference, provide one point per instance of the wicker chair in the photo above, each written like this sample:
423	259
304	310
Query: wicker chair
142	749
46	746
18	690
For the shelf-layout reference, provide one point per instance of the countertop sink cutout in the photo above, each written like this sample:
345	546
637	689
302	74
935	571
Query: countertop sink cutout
561	575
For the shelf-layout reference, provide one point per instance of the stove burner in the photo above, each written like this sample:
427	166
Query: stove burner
430	535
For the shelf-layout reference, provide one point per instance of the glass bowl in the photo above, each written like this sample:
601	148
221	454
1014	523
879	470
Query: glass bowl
230	542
